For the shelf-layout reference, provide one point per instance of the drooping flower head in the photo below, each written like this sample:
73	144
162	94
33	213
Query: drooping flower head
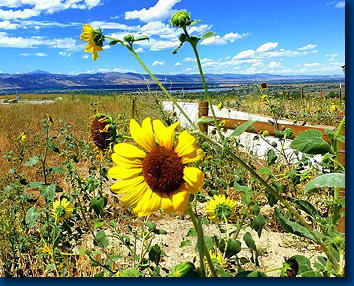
220	207
62	209
50	119
102	131
157	176
94	38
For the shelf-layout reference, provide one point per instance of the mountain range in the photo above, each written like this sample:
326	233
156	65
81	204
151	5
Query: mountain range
41	81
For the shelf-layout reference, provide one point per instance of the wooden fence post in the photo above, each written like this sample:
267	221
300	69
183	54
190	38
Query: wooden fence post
302	92
203	110
133	107
321	93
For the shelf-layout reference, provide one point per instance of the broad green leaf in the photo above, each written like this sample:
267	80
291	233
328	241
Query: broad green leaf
203	120
258	223
32	161
194	22
249	241
310	142
59	170
208	35
241	128
141	38
31	216
341	138
36	184
98	205
155	254
102	238
99	222
129	273
240	188
265	171
307	207
251	274
334	180
233	247
186	243
54	147
192	232
48	192
150	224
293	227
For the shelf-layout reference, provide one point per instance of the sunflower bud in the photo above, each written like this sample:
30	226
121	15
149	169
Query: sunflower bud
129	38
185	269
181	19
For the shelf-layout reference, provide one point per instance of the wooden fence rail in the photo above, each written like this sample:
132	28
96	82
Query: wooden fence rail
259	127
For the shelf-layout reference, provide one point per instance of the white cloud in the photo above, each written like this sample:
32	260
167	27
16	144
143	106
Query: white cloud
267	47
35	54
19	14
86	56
188	59
162	45
234	36
161	11
340	4
65	54
7	25
157	63
244	55
273	65
178	64
139	50
307	65
106	47
218	40
308	47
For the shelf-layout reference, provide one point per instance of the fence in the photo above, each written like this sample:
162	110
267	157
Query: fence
259	127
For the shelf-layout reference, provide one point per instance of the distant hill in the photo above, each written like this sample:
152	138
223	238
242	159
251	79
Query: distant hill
40	81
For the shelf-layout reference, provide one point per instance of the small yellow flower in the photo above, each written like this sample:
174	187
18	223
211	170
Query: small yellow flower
9	160
220	207
50	119
281	93
319	109
209	157
216	258
47	249
220	105
264	97
157	177
94	38
62	209
265	133
334	107
222	123
22	137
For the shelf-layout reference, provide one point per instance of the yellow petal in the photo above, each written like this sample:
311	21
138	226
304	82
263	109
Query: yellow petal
119	172
129	151
89	47
166	203
180	199
152	206
194	178
127	163
134	196
165	135
193	157
124	186
143	201
185	144
143	135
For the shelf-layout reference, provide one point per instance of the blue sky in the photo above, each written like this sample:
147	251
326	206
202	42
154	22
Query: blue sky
272	36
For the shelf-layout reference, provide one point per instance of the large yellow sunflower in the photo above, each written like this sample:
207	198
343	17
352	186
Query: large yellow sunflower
62	209
94	39
157	178
220	207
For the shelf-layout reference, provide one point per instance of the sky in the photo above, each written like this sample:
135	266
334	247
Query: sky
292	37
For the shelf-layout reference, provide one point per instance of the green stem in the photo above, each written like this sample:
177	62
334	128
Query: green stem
161	86
202	251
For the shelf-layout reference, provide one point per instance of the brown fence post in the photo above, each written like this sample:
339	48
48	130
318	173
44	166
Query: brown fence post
302	92
321	93
133	107
203	110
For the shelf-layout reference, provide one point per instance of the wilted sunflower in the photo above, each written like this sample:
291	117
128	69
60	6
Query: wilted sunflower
50	119
94	38
158	178
62	209
102	132
220	207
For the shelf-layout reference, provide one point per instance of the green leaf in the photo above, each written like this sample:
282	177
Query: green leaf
185	243
293	227
251	274
36	184
102	238
54	147
32	216
243	189
48	192
141	38
32	161
194	22
341	138
272	157
307	207
258	223
333	180
99	222
176	49
150	225
59	170
99	274
155	254
98	204
265	171
192	232
202	120
129	273
233	247
208	35
249	241
310	142
241	128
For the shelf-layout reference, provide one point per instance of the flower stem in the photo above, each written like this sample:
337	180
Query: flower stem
201	245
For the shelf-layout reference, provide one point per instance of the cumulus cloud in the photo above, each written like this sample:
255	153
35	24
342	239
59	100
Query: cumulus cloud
267	47
273	65
162	45
244	55
65	54
178	64
218	40
340	4
139	50
308	47
157	63
161	11
35	54
7	25
307	65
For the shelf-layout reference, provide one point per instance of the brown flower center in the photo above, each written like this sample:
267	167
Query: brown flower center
97	135
163	170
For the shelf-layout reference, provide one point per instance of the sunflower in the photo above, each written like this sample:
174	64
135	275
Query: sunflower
334	108
264	97
50	119
217	260
94	38
102	132
220	106
62	209
22	137
157	178
220	208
